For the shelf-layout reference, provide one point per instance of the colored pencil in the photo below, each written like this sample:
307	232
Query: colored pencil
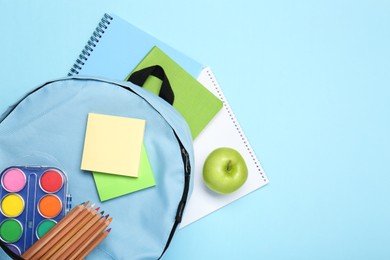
92	245
61	225
72	245
63	245
67	233
73	237
86	239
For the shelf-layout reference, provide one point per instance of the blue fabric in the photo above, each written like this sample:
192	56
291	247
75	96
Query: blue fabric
48	127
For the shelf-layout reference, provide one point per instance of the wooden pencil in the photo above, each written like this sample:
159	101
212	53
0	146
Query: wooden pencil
58	240
93	244
90	234
55	230
100	224
67	241
71	225
86	239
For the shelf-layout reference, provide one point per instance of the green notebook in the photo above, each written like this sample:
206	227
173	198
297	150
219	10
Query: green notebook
193	101
110	186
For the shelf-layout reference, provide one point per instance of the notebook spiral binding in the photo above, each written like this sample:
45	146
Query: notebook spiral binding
91	44
237	125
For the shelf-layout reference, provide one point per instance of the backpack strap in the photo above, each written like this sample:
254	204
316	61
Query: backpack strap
139	77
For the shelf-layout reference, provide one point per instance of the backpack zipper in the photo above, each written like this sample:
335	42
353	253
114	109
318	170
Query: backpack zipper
183	201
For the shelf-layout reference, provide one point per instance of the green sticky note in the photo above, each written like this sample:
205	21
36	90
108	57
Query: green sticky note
192	100
110	186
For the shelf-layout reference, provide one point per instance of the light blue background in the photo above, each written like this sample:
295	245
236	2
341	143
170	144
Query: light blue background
309	82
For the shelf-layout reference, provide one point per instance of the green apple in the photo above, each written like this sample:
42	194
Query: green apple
224	170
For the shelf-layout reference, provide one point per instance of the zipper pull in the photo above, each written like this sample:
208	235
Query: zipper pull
187	166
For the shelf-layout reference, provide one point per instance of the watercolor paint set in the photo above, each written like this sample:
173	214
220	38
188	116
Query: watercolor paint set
33	200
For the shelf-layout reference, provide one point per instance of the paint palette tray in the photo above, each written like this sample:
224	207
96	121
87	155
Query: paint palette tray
33	200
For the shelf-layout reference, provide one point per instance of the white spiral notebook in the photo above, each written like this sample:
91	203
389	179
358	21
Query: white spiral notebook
223	131
113	51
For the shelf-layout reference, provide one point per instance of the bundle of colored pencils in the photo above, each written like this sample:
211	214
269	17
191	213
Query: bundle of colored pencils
74	237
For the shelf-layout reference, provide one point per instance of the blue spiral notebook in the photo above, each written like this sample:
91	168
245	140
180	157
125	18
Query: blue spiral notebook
116	47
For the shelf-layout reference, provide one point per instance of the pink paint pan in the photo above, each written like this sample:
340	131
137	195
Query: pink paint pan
13	180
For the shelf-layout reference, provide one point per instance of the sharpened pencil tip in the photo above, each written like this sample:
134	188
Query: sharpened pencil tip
102	212
97	208
108	230
110	219
107	216
85	203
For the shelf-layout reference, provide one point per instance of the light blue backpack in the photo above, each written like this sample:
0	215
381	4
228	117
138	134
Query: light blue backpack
47	127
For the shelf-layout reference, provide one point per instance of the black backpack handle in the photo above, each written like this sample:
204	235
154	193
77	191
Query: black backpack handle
139	77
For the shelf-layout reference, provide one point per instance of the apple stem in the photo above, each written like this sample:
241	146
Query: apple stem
229	166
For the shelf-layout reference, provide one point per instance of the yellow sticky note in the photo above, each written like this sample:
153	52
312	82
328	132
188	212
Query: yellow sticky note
113	144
